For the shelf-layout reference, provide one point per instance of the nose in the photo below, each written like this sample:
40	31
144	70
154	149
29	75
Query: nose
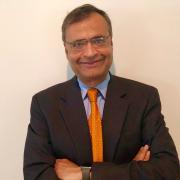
90	50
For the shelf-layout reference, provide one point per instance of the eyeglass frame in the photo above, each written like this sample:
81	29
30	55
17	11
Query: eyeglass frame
90	40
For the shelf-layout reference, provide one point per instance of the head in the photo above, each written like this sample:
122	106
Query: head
87	37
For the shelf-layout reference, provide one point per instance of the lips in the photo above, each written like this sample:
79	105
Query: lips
91	62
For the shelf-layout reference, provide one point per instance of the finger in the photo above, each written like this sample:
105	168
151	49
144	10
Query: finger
147	156
138	156
141	153
146	147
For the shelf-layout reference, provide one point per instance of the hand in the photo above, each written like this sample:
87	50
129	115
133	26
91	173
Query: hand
143	154
67	170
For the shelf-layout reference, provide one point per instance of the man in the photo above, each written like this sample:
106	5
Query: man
118	134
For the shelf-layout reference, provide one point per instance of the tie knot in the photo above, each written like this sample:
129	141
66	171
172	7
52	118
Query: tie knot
92	94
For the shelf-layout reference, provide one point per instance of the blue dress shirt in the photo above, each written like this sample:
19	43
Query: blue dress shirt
102	87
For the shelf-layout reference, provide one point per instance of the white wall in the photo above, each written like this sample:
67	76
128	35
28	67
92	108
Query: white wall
146	48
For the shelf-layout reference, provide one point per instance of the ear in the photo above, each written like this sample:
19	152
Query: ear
111	42
66	51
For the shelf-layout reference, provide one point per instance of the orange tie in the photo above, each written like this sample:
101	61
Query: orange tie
95	127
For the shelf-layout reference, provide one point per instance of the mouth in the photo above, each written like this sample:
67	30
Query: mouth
92	63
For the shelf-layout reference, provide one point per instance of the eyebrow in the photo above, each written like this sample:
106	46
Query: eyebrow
97	36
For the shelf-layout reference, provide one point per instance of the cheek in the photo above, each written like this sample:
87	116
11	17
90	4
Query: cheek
107	51
72	58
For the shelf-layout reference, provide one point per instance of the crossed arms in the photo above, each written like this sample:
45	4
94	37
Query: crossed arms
40	161
67	170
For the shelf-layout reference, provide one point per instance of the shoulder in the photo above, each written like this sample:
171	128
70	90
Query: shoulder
129	82
135	93
132	87
57	90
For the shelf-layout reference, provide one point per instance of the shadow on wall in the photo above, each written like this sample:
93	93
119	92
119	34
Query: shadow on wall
70	73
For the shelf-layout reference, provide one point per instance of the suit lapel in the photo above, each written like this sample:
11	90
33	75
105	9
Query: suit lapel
73	111
115	110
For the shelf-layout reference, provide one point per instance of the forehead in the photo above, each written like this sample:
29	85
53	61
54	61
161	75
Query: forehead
93	25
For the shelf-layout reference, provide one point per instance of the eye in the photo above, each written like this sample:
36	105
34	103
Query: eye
78	44
98	40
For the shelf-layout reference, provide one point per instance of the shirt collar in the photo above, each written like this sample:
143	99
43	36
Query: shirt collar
102	87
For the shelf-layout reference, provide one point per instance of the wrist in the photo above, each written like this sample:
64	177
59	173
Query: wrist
86	171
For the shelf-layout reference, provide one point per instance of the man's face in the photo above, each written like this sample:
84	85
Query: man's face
92	62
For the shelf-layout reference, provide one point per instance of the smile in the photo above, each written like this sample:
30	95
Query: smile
92	63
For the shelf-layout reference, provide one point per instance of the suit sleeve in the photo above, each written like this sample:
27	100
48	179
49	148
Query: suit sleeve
163	163
38	155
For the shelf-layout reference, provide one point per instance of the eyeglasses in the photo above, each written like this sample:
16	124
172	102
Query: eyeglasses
96	42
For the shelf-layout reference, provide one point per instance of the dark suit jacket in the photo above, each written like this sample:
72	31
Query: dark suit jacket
132	118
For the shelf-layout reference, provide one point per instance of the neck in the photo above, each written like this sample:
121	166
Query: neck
92	82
